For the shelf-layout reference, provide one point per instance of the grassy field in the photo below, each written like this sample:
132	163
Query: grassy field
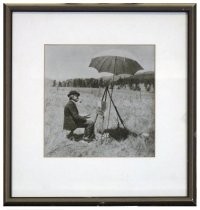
136	109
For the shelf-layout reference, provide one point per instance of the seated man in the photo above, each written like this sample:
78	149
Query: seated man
73	120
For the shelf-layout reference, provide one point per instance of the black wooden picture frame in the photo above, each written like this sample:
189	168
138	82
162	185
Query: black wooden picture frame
190	199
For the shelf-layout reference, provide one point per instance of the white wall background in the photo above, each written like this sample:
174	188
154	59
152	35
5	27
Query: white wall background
1	186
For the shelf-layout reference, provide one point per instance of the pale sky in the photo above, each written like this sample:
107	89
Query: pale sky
72	61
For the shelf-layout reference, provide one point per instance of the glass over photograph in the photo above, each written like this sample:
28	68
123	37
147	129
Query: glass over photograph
99	100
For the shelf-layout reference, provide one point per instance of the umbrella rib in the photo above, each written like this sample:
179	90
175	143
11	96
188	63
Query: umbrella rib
115	58
124	66
96	64
105	59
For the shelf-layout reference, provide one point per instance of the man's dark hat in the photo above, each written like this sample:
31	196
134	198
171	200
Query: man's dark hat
73	92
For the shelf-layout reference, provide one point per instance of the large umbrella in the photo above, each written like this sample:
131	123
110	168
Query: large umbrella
115	65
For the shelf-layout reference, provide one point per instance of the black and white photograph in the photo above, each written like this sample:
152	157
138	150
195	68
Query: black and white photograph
99	104
99	100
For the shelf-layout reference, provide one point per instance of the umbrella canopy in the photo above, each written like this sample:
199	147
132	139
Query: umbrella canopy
115	65
144	75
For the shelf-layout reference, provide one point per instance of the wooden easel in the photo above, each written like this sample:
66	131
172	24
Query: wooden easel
104	97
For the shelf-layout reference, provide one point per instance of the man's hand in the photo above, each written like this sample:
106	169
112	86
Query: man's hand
87	116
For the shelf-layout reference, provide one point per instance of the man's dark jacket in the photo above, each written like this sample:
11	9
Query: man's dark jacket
72	119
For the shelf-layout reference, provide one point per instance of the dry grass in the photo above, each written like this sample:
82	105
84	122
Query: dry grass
136	109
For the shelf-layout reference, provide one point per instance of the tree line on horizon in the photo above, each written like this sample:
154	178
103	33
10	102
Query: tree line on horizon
131	82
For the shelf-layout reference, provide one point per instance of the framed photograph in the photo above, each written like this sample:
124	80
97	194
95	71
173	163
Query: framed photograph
100	104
